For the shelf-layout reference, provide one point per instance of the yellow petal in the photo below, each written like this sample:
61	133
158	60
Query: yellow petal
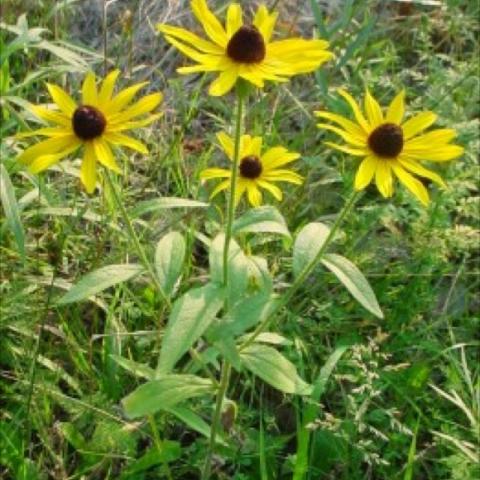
49	132
118	127
346	124
412	184
414	167
265	22
227	144
234	19
245	141
276	157
108	85
210	173
417	124
365	172
88	170
104	155
190	38
254	78
62	99
39	164
52	116
187	50
254	194
396	110
354	140
120	139
352	151
431	139
281	175
442	153
213	28
240	190
89	90
48	147
273	189
383	178
373	110
144	105
220	187
224	82
255	146
356	111
124	97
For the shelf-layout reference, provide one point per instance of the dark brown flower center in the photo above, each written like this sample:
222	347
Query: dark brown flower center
250	167
88	122
247	45
386	140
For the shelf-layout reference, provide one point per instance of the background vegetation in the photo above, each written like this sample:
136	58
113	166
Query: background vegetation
403	401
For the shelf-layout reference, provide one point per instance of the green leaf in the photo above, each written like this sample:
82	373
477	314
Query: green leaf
170	451
238	267
137	369
164	393
12	212
99	280
190	317
308	243
195	422
243	316
272	367
354	281
262	220
169	258
163	203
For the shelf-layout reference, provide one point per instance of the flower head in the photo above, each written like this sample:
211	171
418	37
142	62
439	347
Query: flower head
390	145
96	123
255	171
243	50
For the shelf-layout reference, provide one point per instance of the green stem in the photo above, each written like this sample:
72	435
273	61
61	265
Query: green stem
304	273
222	390
233	182
226	367
134	238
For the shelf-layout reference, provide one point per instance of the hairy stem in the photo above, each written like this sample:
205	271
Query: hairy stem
226	367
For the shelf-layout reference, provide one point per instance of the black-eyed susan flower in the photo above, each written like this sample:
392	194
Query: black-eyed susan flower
96	124
243	50
256	171
391	146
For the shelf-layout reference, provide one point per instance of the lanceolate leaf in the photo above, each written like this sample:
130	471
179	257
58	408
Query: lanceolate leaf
238	267
10	206
99	280
169	257
262	220
272	367
164	393
190	317
354	281
308	243
195	422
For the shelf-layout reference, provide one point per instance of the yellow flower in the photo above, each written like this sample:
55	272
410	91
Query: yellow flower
95	124
390	145
243	49
255	170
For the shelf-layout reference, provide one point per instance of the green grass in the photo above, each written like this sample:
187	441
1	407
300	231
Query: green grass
402	401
